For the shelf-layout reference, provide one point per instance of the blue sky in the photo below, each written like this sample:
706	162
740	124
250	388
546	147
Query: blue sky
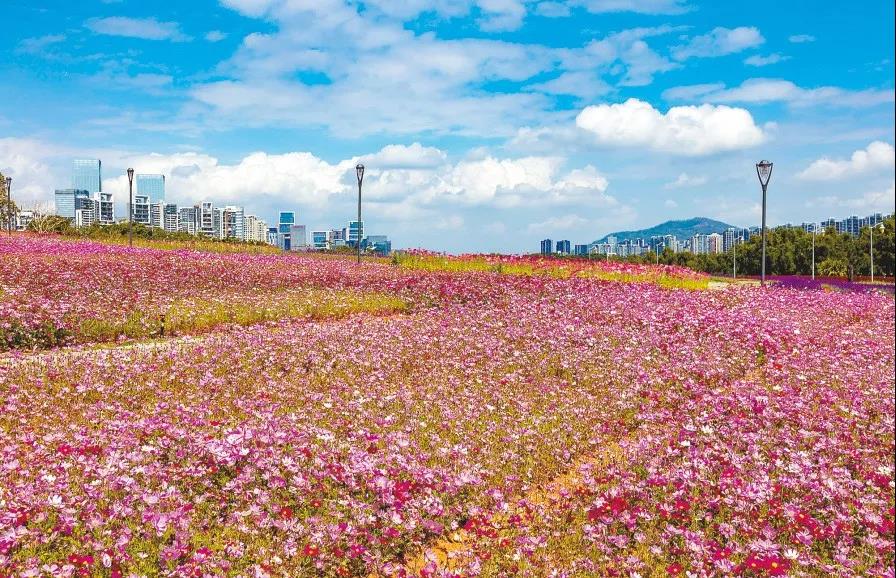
485	124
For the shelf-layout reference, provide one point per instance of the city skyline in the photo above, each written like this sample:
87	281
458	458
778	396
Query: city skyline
482	125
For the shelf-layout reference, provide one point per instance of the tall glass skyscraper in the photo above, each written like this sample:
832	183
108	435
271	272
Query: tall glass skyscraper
87	175
152	186
68	201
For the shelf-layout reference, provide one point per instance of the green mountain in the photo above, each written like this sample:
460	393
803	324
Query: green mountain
681	229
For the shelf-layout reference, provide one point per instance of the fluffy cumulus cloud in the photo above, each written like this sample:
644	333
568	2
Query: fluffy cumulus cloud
766	90
402	182
683	130
719	42
876	157
30	163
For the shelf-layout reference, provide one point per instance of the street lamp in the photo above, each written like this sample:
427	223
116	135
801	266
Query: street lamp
12	217
764	172
872	249
130	207
814	234
735	255
359	169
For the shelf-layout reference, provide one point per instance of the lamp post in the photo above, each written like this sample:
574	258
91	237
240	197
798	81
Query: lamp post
130	207
12	216
764	172
735	255
359	169
814	233
872	250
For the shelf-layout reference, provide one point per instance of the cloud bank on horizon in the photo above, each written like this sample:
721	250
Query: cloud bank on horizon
485	124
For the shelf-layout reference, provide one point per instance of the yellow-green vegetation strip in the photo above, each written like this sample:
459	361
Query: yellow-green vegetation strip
199	315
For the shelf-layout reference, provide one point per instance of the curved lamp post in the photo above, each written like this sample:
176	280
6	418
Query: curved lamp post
360	171
130	207
764	172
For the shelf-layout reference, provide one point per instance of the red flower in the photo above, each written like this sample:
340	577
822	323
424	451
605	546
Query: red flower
311	551
674	569
285	513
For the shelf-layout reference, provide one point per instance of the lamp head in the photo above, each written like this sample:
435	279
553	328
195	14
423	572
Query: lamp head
130	175
764	170
360	170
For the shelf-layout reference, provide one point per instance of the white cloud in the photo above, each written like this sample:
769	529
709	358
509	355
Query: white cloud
145	28
883	201
583	84
552	9
37	45
759	60
877	156
685	180
215	36
382	77
765	90
405	157
691	91
801	38
397	187
719	42
639	6
559	225
670	204
683	130
31	164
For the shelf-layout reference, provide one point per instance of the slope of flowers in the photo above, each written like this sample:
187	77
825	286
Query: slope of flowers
55	291
549	426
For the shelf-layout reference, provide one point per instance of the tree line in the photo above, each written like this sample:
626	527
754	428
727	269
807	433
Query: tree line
789	252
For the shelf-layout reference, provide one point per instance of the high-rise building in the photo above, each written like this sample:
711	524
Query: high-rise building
256	229
70	200
580	250
188	220
564	247
547	246
354	232
87	175
298	238
233	223
105	207
206	221
714	243
272	236
141	209
378	244
320	240
151	186
164	216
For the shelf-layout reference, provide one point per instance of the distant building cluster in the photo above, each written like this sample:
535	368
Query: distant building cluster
699	244
85	204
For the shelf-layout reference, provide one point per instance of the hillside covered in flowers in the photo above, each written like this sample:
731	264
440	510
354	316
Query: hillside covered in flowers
179	413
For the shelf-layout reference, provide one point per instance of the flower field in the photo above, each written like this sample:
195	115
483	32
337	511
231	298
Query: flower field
434	417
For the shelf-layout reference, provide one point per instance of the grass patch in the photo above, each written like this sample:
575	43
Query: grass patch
191	316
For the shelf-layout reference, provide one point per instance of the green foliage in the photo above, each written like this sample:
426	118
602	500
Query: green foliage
833	267
789	252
